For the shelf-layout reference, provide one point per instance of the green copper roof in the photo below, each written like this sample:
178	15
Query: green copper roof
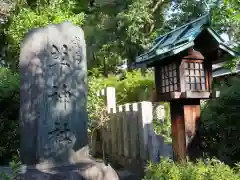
178	40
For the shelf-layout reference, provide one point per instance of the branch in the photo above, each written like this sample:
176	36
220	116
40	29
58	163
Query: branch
155	8
157	5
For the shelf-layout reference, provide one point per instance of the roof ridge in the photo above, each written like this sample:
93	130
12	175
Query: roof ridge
187	24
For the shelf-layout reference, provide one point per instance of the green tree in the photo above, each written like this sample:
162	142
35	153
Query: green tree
116	31
224	14
123	30
24	17
225	18
9	105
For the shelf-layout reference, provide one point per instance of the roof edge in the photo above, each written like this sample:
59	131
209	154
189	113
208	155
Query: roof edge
232	52
187	24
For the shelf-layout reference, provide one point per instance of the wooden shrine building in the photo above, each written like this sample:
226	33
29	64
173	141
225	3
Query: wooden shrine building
182	61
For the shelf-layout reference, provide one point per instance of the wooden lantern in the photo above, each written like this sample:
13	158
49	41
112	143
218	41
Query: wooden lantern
183	82
182	61
187	76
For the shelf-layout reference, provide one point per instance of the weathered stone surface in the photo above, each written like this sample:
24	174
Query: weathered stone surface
53	116
53	94
86	169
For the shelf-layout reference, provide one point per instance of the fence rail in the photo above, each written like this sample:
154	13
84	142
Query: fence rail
128	135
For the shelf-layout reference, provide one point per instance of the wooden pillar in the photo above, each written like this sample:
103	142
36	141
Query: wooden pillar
184	114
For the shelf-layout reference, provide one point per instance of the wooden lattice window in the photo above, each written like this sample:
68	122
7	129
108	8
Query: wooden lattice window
169	81
195	78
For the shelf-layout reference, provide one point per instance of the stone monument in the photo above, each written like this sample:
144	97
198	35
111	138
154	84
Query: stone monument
53	100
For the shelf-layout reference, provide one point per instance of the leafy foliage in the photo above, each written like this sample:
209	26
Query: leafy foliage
24	18
164	128
225	18
9	103
219	128
129	89
116	31
208	170
224	15
15	167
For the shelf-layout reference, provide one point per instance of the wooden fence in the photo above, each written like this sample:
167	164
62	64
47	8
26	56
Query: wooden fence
128	137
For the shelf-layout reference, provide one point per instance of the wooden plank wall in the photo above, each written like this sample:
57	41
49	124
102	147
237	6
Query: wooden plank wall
126	137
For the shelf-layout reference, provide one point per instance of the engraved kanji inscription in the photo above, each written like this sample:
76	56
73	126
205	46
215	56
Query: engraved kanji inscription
76	44
60	55
61	94
60	133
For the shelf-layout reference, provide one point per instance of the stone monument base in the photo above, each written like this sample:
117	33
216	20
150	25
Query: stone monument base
85	168
83	171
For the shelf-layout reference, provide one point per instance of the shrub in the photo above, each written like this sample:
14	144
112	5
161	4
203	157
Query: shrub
25	18
164	128
9	103
134	87
15	169
202	170
127	89
219	127
131	87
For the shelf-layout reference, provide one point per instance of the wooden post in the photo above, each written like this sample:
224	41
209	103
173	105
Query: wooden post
125	129
120	130
145	118
184	114
134	131
109	96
